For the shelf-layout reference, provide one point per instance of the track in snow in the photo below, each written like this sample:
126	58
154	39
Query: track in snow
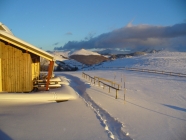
112	126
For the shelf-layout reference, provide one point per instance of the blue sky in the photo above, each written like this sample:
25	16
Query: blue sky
53	23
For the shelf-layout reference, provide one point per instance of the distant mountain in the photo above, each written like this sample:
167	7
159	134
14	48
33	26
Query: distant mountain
84	52
113	51
89	59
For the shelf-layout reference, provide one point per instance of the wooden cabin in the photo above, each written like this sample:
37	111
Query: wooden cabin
19	63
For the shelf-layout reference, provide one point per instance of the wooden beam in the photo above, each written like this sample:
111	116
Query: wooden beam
50	70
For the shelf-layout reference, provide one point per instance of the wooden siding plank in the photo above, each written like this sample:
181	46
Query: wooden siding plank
30	73
2	64
5	75
1	45
19	70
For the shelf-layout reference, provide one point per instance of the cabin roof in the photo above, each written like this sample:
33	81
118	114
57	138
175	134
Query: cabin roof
6	35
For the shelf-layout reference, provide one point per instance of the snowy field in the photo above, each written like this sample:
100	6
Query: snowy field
164	60
154	107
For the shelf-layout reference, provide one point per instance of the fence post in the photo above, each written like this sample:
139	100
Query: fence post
116	93
124	88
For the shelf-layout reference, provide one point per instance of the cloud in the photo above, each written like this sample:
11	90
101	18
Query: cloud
90	36
135	37
56	43
68	33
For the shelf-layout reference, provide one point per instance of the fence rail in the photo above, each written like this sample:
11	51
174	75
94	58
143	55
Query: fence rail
98	80
150	71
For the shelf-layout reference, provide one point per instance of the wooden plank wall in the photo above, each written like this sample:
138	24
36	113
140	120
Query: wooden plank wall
35	67
16	68
0	67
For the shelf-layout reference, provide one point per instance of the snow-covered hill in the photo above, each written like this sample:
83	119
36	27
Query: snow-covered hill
60	55
84	52
62	60
163	61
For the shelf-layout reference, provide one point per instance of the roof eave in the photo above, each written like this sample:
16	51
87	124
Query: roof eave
24	45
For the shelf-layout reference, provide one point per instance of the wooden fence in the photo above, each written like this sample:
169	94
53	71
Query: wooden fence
149	71
100	80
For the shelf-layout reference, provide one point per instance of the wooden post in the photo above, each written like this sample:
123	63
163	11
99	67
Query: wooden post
109	89
124	88
50	70
116	93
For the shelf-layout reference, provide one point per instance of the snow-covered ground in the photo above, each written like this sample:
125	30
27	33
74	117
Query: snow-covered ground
41	118
164	60
154	107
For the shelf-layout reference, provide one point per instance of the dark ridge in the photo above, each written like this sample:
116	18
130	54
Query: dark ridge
89	59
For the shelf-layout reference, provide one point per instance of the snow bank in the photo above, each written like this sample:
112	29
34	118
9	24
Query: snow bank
69	120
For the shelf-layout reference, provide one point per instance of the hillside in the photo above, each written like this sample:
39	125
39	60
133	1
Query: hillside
84	52
89	59
163	60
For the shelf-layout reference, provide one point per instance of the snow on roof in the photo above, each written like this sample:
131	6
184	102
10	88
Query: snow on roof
6	35
84	52
4	28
